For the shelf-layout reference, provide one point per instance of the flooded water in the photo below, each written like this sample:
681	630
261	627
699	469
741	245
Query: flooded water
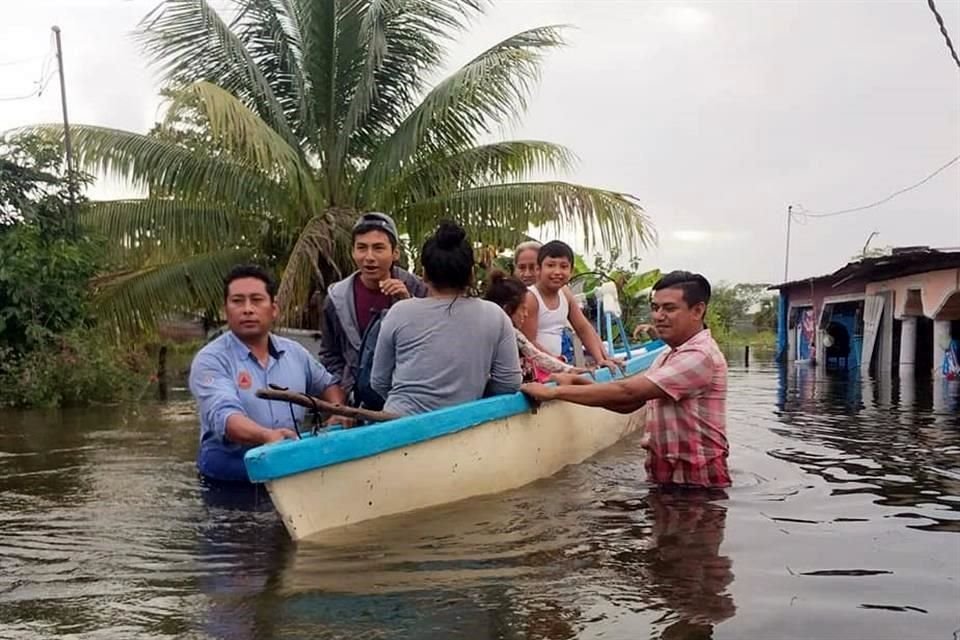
844	522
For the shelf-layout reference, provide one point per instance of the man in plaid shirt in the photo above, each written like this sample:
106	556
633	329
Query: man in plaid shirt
684	392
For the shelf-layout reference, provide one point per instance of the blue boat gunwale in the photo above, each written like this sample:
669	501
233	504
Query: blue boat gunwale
290	457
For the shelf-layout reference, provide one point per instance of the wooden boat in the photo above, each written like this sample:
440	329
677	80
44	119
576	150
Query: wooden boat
344	476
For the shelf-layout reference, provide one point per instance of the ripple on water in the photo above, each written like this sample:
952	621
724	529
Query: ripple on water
842	520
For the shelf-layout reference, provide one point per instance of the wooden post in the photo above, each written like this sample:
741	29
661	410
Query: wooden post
162	372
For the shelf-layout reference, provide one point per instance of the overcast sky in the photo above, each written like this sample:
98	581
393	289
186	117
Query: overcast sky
716	115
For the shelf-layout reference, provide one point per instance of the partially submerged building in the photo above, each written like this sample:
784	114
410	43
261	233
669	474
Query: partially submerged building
898	311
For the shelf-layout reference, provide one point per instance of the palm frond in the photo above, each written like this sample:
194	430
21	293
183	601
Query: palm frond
319	24
152	164
400	42
189	41
251	141
135	301
495	213
156	227
488	91
497	162
270	32
302	272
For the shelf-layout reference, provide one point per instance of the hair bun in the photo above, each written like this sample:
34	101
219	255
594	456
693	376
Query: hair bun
497	276
450	235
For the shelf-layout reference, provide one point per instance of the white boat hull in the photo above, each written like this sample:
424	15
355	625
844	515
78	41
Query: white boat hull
489	458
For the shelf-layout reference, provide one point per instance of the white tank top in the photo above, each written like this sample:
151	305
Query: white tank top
551	322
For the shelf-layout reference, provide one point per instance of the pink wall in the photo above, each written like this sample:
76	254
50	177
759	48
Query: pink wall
801	295
935	288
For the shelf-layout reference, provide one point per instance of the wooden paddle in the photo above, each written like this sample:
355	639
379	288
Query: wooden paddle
311	402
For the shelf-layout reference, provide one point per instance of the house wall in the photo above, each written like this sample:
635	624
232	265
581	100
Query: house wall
936	288
815	295
807	295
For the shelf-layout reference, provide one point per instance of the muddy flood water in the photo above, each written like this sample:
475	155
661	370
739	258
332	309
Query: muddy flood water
844	522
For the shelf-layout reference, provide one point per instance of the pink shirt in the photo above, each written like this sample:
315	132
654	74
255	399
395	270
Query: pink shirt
688	431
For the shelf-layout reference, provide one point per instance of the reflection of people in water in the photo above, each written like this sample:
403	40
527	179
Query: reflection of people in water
679	567
688	570
241	547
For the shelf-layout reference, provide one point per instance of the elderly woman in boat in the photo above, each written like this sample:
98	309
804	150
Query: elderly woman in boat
448	348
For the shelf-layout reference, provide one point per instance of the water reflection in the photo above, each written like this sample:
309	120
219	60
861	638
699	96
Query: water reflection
677	564
897	438
843	519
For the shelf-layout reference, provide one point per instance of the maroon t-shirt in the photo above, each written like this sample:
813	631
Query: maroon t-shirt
367	303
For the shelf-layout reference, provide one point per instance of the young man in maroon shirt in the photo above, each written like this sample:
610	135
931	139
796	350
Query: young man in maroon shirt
353	302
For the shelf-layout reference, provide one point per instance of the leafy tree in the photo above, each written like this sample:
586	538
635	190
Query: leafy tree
293	116
766	317
44	265
50	352
736	308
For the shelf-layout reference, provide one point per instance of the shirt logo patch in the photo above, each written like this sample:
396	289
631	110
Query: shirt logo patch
244	381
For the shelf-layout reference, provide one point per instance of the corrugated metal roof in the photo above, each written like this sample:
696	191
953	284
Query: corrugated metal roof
902	261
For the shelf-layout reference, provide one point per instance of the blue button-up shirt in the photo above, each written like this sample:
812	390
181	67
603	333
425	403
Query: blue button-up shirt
224	378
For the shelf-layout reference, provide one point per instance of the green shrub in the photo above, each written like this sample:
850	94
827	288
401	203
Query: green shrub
79	367
43	285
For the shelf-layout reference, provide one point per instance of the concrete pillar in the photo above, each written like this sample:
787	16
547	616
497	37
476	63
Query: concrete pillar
940	413
941	341
908	342
791	344
885	336
908	396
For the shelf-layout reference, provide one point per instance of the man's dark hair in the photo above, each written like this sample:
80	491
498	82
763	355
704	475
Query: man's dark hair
555	249
250	271
695	287
447	257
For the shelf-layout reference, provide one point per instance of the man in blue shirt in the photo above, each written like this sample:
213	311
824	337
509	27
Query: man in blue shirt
226	373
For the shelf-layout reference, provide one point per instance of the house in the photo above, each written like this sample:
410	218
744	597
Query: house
893	312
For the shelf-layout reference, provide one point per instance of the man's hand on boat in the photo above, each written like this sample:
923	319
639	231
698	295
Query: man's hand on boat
538	392
542	392
346	422
614	365
278	435
569	378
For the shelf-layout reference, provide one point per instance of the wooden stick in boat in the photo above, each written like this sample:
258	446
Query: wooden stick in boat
311	402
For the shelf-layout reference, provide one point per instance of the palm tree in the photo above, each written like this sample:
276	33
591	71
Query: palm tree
308	112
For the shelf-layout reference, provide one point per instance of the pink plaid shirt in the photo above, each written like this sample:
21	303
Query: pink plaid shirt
687	432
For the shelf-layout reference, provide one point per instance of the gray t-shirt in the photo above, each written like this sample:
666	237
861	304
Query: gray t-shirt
438	352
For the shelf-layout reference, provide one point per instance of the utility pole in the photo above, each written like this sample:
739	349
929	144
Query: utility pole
67	145
786	258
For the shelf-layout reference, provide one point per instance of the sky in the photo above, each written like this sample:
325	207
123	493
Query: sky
716	115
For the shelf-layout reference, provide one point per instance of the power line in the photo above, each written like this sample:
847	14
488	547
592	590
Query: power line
15	98
46	73
36	93
10	63
813	214
943	30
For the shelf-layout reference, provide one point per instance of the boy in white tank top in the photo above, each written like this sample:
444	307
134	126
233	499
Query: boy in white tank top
551	306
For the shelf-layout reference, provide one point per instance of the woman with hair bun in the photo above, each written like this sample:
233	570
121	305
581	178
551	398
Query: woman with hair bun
509	293
447	348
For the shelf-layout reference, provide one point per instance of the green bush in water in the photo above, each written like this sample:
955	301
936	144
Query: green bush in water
82	366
